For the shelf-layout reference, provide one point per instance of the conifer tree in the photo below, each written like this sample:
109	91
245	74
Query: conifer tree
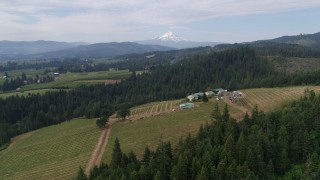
202	175
225	115
205	97
216	114
312	165
146	156
116	154
241	149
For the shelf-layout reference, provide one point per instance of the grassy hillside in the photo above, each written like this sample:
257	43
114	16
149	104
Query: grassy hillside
269	99
54	152
149	131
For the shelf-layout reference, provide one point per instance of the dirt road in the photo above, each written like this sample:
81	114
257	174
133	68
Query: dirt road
99	149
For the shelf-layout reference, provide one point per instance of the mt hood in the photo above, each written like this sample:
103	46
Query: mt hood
170	39
170	36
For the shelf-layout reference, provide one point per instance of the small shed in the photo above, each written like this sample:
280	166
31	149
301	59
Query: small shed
191	97
187	106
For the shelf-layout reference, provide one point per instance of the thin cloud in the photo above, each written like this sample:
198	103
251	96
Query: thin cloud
86	19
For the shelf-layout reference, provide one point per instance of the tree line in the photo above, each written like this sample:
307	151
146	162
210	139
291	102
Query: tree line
11	84
283	144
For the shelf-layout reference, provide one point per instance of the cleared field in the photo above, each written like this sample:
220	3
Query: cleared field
54	152
72	80
269	99
294	64
25	93
149	131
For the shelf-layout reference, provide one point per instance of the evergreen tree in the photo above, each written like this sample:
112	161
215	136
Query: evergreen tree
116	154
202	175
146	156
312	165
225	115
284	162
102	122
241	149
216	114
205	97
157	176
134	175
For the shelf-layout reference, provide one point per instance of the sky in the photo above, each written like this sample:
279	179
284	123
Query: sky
95	21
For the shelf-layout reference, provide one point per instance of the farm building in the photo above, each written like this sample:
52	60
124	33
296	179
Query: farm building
198	95
56	75
209	93
187	106
219	91
195	96
191	97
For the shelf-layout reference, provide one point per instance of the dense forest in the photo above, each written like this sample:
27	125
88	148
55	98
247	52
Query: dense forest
281	144
234	68
133	62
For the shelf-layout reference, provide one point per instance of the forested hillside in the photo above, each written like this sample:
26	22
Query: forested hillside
309	40
235	68
281	144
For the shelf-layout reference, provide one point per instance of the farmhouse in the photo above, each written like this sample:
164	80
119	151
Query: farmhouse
187	106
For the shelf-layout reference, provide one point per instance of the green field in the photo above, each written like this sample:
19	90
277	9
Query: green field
72	80
269	99
136	135
54	152
25	93
16	73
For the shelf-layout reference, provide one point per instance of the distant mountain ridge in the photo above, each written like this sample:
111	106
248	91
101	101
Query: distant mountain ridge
170	39
34	47
104	50
308	40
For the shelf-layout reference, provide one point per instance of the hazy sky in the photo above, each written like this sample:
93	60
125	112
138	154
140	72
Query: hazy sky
131	20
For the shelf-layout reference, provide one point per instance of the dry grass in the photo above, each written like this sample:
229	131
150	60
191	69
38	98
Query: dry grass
269	99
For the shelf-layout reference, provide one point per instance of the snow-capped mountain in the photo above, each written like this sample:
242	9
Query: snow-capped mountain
170	36
170	39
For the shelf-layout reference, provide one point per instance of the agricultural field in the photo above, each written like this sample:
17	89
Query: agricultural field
269	99
163	125
26	93
16	73
73	80
54	152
